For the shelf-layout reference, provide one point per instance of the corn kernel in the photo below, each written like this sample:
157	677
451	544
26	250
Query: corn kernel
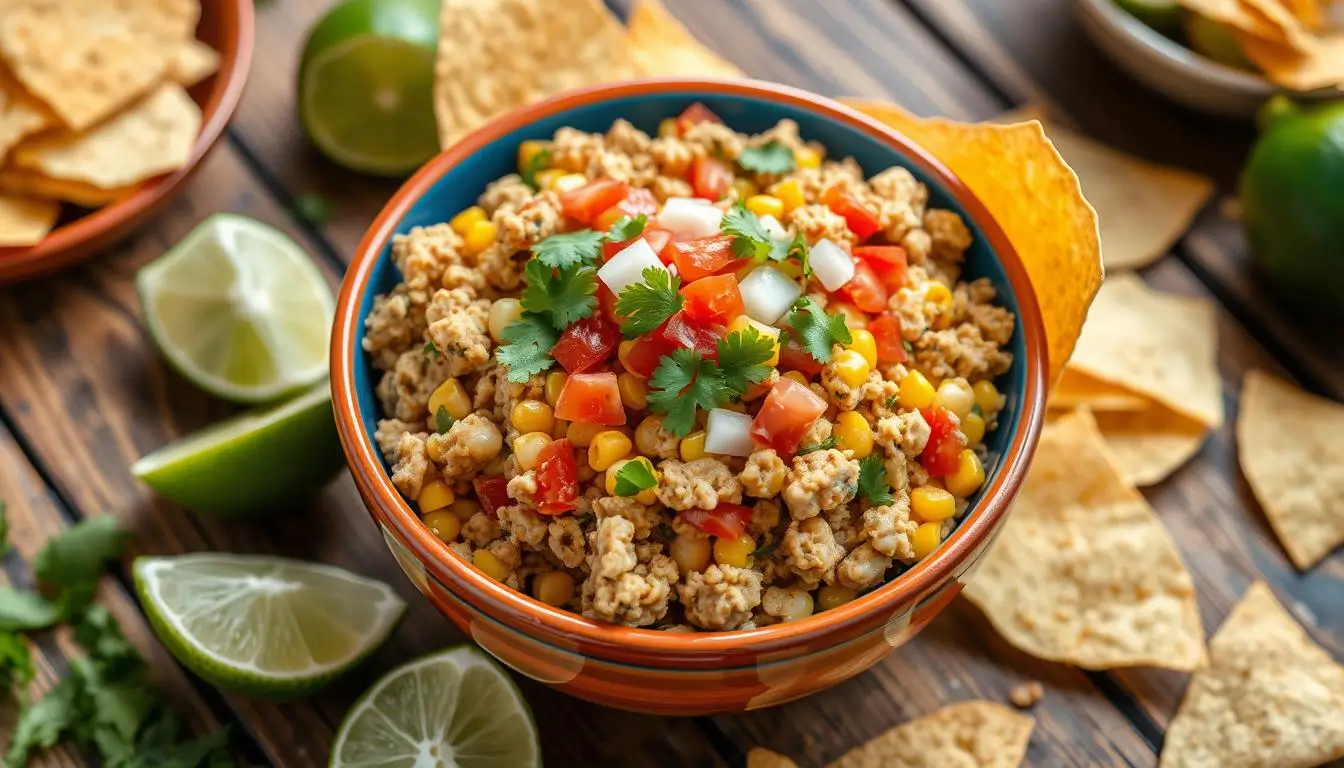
744	188
851	368
443	524
797	604
527	153
546	179
649	435
854	317
973	427
581	433
647	497
555	384
968	478
939	295
607	447
667	128
553	587
862	341
532	416
527	449
926	539
434	495
463	222
481	236
623	355
829	597
916	391
490	565
465	508
955	395
807	157
693	446
852	433
634	392
735	552
743	322
452	397
987	397
789	193
797	376
932	505
502	314
690	553
765	205
570	182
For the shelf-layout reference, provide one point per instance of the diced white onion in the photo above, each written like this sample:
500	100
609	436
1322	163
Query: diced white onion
627	267
690	217
768	293
728	433
831	265
773	228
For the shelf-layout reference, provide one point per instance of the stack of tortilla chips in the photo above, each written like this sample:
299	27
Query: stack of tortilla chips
1290	41
92	103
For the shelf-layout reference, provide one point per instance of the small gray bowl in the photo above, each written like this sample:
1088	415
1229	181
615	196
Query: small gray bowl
1175	71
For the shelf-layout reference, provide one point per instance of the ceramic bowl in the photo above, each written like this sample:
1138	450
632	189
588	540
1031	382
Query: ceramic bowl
648	670
226	26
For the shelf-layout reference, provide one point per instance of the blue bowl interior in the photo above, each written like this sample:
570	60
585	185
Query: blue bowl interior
460	187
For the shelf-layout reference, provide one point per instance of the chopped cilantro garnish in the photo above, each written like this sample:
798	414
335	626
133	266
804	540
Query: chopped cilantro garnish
824	445
529	339
892	400
586	519
633	477
742	356
752	241
443	420
570	249
683	381
627	228
766	549
816	330
646	305
564	295
873	480
538	162
432	351
666	532
771	157
908	347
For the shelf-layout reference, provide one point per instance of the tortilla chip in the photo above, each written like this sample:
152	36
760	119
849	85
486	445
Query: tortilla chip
1320	67
20	114
1263	19
17	181
1310	12
1292	453
495	55
88	58
192	62
154	137
662	46
1147	445
1083	571
1035	198
759	757
25	221
1269	697
979	733
1076	389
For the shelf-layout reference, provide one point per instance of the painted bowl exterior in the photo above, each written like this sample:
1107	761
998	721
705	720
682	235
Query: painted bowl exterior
647	670
226	26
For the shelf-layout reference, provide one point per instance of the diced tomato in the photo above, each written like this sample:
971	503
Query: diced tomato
865	289
682	332
492	491
586	343
638	200
861	221
656	238
695	114
886	332
786	414
888	261
942	454
645	354
793	357
606	303
726	521
703	256
587	202
710	178
713	299
557	478
591	397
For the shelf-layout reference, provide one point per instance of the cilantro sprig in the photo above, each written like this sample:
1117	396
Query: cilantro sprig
685	380
527	352
742	356
771	157
563	295
824	445
633	477
443	420
816	330
645	305
751	240
627	228
569	249
873	484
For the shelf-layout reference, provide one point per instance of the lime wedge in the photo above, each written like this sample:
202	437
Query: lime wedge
454	708
251	463
1161	15
366	85
239	309
264	626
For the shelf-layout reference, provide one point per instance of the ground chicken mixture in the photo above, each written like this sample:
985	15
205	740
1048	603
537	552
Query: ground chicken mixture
695	381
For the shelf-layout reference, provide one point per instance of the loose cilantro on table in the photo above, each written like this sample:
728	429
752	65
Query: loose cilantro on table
647	304
627	228
824	445
562	295
443	420
527	352
569	249
633	477
771	157
873	484
816	330
685	380
537	163
752	241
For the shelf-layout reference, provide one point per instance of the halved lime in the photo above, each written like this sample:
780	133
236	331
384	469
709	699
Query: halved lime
251	463
239	309
453	708
1161	15
264	626
366	85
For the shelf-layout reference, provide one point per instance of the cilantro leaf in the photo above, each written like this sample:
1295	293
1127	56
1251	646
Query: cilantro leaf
41	725
627	228
750	240
633	477
26	610
528	351
564	295
538	162
16	663
771	157
824	445
816	330
569	249
766	549
443	420
873	484
682	382
742	357
73	562
892	400
797	248
646	305
432	351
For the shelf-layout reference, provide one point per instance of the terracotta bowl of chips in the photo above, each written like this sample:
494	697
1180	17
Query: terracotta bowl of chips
225	26
648	670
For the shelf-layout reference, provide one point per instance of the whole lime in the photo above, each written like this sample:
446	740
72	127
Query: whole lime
1292	192
366	85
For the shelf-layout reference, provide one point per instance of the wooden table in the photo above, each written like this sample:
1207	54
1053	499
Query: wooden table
83	394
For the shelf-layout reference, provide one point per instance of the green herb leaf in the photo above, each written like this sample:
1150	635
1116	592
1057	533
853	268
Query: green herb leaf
16	663
797	248
892	400
766	549
908	347
816	330
627	228
563	295
313	209
527	350
771	157
72	563
432	351
750	240
824	445
26	610
633	477
742	356
41	725
873	484
443	420
646	305
539	162
570	249
683	381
